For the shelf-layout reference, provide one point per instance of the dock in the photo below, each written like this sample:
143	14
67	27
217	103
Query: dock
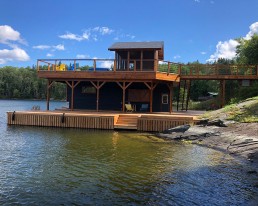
148	122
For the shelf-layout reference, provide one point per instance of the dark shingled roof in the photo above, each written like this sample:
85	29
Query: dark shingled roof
137	45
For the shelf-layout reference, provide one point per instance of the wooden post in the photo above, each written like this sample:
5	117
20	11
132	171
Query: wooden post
178	96
183	100
124	87
257	70
151	97
48	93
72	96
141	60
222	93
97	86
128	60
94	65
188	93
170	86
156	59
72	86
168	72
151	88
115	65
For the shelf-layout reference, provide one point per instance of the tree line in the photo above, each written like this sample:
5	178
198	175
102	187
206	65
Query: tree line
23	83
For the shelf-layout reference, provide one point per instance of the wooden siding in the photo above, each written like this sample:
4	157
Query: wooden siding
143	122
59	120
159	123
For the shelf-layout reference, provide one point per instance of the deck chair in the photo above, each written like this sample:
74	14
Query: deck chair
129	108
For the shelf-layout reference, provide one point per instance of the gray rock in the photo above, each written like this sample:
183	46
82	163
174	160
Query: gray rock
178	129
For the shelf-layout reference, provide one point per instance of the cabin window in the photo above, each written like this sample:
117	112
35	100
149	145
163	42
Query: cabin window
89	90
164	98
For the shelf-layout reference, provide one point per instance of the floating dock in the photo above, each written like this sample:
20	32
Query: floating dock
97	120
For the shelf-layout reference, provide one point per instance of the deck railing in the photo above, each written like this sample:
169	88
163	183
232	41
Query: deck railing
152	65
134	65
218	70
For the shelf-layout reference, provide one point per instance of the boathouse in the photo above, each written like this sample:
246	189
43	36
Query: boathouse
131	79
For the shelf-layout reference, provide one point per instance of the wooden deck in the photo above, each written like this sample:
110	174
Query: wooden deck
108	75
152	122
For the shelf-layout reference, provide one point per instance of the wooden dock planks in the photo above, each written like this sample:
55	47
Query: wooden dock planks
147	123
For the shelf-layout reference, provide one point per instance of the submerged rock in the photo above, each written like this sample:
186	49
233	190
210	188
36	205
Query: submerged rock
186	132
178	129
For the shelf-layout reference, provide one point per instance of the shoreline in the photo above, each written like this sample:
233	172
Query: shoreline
237	139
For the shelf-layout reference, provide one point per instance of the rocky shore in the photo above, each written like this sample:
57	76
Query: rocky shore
239	139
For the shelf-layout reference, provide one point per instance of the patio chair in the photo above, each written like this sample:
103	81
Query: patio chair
129	108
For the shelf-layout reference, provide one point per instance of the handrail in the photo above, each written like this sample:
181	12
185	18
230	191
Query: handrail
194	70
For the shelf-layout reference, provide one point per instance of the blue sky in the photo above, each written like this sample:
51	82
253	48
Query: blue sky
191	29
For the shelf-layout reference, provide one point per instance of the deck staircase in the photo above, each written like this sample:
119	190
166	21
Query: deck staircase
126	122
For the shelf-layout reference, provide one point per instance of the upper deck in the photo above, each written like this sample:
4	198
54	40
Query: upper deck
105	70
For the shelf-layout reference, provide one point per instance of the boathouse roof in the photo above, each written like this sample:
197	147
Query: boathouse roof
137	45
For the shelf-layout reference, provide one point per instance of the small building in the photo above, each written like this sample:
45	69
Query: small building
133	77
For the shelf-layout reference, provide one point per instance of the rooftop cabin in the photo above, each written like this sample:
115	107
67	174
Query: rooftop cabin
138	56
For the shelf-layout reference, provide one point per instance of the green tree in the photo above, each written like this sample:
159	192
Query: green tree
247	50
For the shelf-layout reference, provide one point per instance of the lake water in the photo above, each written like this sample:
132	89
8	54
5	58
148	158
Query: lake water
54	166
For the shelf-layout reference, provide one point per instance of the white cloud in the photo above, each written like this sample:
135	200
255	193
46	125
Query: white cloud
86	35
82	56
71	36
198	1
49	55
8	34
106	64
59	47
227	49
203	52
177	57
16	54
41	47
253	30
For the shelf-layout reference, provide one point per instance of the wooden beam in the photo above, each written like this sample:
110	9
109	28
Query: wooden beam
188	93
183	99
222	92
170	86
124	87
97	86
48	93
128	60
72	96
141	60
151	88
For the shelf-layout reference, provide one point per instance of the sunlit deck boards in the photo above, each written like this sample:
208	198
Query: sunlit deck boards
101	120
108	75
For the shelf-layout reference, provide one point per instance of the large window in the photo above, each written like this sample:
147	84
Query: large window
89	90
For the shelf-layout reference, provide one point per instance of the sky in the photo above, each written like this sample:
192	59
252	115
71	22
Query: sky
192	30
